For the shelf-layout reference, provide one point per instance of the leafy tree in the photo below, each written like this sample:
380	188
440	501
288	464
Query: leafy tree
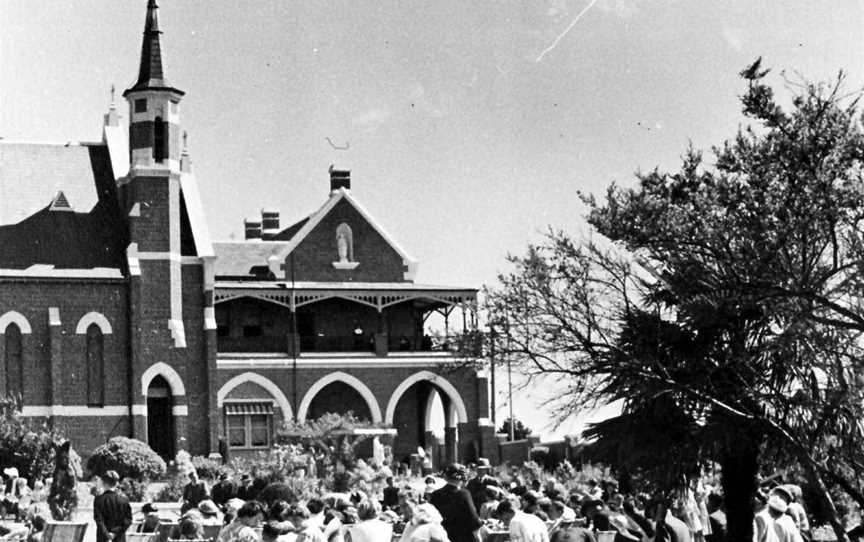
520	431
726	313
25	445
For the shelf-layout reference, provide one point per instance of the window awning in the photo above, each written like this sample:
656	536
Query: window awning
243	409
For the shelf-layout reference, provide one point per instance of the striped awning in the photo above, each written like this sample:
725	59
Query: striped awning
243	409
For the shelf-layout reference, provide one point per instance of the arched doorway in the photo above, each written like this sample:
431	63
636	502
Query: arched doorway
160	418
422	420
340	398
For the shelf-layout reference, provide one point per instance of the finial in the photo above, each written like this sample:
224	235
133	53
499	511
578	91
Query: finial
112	94
185	140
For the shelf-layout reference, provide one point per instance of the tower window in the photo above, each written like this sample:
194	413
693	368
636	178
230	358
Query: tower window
141	106
159	140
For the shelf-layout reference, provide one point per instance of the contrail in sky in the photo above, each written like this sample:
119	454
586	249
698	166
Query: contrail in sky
566	30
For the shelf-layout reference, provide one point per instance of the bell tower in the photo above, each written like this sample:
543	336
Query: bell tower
152	191
154	106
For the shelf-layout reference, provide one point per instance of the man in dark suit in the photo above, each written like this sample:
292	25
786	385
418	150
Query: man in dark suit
224	490
460	517
111	511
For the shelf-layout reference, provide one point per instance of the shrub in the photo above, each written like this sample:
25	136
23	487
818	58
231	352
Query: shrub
277	491
133	489
207	468
26	446
129	457
173	490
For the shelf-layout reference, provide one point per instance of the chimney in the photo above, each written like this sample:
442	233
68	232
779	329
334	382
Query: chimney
339	178
253	229
269	224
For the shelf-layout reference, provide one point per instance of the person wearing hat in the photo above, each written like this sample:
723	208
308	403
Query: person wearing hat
210	514
224	490
194	492
150	522
784	526
476	485
456	507
796	509
111	511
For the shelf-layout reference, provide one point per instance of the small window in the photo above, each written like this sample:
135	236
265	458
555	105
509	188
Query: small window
141	106
160	143
248	425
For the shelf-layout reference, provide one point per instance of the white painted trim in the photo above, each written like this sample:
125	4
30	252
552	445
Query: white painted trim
484	422
159	256
139	410
427	415
438	380
40	271
15	317
316	218
364	362
345	378
48	411
93	317
168	373
209	318
264	382
180	410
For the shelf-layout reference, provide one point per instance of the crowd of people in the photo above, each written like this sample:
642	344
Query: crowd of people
463	504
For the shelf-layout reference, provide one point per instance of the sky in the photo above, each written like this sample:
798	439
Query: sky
471	126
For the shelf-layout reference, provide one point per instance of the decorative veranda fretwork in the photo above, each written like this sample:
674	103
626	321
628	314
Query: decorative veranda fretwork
299	298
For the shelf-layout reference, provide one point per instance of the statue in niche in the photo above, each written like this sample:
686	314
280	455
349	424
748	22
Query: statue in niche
342	247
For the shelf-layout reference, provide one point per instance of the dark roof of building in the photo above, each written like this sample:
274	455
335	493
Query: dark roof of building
290	231
35	231
150	72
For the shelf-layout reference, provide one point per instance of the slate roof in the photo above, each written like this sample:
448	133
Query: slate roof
150	73
238	259
31	175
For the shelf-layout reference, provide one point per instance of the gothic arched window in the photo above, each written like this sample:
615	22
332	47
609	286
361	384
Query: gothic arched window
14	361
95	366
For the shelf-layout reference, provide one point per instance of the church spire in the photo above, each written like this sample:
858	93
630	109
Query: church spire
150	74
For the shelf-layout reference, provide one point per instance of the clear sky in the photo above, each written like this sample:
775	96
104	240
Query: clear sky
461	143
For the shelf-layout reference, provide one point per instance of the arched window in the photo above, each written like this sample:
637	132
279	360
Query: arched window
159	140
14	361
95	366
344	243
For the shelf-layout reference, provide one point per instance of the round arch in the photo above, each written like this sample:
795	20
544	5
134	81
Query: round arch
93	318
168	373
445	386
14	317
345	378
264	382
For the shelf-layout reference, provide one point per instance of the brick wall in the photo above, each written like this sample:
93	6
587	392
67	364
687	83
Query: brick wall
314	257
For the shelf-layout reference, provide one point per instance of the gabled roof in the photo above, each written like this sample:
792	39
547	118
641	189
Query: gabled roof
90	235
31	174
335	197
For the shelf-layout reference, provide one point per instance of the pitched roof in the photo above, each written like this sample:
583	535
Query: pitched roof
31	174
31	233
335	197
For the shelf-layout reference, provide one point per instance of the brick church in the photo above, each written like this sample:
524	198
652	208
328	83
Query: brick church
120	316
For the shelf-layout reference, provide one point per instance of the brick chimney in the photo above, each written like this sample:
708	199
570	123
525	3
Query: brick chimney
253	229
269	224
339	178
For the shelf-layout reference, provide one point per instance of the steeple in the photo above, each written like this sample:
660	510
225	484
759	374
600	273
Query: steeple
150	74
154	106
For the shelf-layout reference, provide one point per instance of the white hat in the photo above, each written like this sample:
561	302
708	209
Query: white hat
776	503
11	472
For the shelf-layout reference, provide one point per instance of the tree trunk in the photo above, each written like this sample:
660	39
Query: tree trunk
816	480
739	468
